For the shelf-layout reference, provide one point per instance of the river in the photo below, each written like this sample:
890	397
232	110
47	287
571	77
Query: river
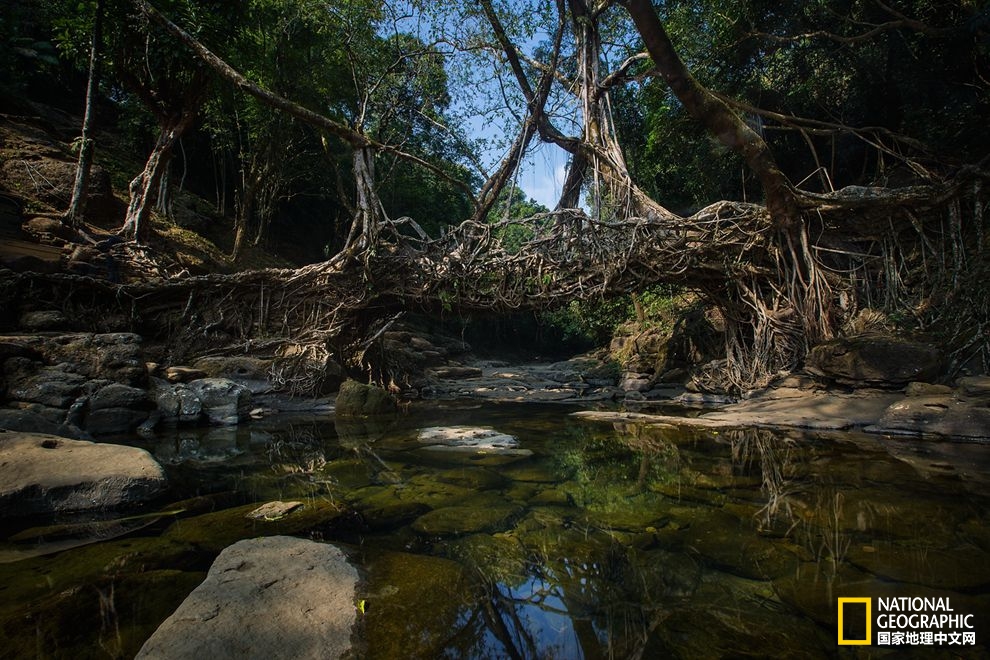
599	540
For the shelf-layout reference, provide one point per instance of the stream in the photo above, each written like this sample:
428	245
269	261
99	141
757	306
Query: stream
600	540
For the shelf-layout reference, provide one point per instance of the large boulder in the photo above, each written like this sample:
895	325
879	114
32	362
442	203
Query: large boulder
224	401
275	597
358	400
117	408
176	403
50	474
874	360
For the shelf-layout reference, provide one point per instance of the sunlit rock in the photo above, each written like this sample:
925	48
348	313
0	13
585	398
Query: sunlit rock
276	597
48	474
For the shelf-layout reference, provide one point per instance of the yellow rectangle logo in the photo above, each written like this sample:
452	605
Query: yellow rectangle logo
842	622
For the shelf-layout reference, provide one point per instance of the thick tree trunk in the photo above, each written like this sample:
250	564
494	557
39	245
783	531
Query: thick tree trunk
77	207
714	114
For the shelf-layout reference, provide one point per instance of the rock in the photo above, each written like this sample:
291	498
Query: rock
29	421
471	445
216	530
275	597
56	387
234	368
49	474
183	374
467	436
414	602
112	356
117	408
176	403
634	382
976	387
453	520
356	400
224	401
273	510
456	372
41	225
117	395
943	415
926	389
876	360
728	543
43	321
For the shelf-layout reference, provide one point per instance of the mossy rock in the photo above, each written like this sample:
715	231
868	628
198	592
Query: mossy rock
215	531
455	520
359	400
390	516
731	544
473	478
495	557
412	603
418	490
964	567
69	623
351	473
30	579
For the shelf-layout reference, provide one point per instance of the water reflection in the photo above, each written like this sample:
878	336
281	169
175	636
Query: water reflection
617	540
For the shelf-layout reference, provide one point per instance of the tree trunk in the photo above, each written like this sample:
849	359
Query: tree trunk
143	186
714	114
77	207
245	210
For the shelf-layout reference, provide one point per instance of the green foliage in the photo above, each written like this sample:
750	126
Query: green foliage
513	205
926	83
591	322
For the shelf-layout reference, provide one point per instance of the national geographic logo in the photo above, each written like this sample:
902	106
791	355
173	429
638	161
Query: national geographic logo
903	621
854	621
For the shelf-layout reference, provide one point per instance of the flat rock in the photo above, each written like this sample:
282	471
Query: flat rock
456	372
941	415
42	473
275	597
180	374
467	436
273	510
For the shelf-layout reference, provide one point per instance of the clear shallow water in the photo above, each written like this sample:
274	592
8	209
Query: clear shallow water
608	541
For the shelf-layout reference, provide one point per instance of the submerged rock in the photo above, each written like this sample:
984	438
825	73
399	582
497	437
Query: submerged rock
414	605
453	520
474	445
275	597
49	474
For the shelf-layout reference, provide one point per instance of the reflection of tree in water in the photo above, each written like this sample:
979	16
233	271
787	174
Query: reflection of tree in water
811	507
596	605
297	448
774	456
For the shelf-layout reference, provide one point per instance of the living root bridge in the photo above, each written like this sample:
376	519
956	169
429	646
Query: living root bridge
920	251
